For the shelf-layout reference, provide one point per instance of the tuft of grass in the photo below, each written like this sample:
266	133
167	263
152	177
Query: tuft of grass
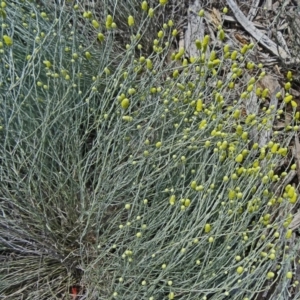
133	175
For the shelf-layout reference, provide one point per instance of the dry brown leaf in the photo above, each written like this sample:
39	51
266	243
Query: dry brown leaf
288	119
268	82
275	6
277	70
242	39
215	17
258	25
296	221
283	26
279	126
269	4
295	93
261	38
297	155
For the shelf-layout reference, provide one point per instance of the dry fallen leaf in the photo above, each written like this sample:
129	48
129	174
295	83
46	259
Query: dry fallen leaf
215	17
242	39
268	82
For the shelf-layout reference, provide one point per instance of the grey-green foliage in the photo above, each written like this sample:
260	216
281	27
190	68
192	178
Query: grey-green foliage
85	192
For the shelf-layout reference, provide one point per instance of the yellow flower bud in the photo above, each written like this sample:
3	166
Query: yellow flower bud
100	37
234	55
144	6
194	184
244	49
199	105
202	125
293	199
206	40
250	65
239	130
250	88
262	74
252	80
95	24
226	48
221	35
160	34
87	14
288	233
207	228
172	199
287	86
170	23
175	74
127	118
130	21
187	202
163	2
236	114
201	13
288	98
125	103
231	85
149	64
151	12
265	93
47	63
239	158
180	86
198	44
7	40
244	135
88	55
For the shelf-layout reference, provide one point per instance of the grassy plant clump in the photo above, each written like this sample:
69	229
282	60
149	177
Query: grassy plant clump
137	174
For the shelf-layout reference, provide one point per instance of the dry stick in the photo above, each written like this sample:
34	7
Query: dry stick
266	135
255	33
297	155
269	4
231	19
296	152
282	41
195	29
279	186
296	218
253	10
296	221
252	107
